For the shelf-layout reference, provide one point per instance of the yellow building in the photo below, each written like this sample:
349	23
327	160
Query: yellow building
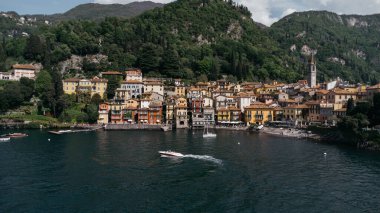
258	113
93	86
296	112
99	86
70	85
180	91
223	115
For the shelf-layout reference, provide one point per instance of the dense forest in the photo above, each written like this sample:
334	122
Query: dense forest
348	46
184	39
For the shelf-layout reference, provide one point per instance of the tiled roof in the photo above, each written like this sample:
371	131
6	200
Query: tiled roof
301	106
99	80
111	73
132	82
72	80
23	66
258	105
377	86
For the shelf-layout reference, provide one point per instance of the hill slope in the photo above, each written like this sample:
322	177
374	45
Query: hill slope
347	45
186	38
94	11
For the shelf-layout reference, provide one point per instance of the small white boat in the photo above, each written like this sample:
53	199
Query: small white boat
259	127
166	128
170	154
207	134
2	139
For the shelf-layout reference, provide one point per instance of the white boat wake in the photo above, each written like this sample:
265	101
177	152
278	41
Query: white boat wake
205	158
171	154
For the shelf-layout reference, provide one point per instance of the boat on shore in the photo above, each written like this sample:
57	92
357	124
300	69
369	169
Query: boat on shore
170	154
15	135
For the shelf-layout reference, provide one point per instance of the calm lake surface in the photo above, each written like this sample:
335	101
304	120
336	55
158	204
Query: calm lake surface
120	171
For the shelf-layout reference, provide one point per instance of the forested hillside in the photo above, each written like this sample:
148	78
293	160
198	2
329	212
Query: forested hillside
347	45
184	39
97	12
202	38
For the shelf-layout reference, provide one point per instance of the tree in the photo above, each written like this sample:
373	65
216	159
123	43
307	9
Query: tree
149	57
45	89
27	88
96	99
350	106
374	113
112	85
35	48
92	113
13	95
170	64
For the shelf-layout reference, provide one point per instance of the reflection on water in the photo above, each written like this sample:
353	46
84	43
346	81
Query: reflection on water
236	172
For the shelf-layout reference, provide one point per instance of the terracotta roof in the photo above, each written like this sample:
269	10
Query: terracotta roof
153	83
99	80
342	91
301	106
23	66
377	86
72	80
258	105
155	104
323	91
132	82
313	102
111	73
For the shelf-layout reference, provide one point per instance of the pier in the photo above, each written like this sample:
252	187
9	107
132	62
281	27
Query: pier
132	127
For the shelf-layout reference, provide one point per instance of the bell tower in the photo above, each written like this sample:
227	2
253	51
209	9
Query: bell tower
312	69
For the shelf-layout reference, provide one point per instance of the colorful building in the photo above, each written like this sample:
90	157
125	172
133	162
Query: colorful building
258	113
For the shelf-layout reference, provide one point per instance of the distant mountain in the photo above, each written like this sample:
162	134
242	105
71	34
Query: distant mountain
347	45
94	11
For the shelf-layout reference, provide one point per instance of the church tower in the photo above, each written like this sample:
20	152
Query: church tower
312	69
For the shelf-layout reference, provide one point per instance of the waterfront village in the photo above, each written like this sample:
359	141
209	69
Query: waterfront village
152	102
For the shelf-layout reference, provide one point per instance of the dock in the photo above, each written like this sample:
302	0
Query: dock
132	127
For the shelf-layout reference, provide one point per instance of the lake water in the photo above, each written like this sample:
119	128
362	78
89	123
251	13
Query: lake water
120	171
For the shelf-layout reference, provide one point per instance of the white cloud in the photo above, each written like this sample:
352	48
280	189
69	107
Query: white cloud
288	12
127	1
269	11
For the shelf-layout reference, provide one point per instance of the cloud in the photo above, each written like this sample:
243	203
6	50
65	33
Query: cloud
269	11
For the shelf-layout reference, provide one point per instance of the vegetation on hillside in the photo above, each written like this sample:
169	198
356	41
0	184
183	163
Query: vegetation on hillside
347	45
184	39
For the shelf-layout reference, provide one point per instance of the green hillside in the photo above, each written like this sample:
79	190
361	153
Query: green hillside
347	45
183	39
93	11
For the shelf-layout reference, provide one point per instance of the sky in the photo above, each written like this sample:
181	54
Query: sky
263	11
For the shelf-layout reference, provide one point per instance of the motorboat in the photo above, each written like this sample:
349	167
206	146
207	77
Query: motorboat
207	134
170	154
16	135
3	139
60	132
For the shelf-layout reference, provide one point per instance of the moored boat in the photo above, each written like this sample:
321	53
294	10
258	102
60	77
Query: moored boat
16	135
207	134
3	139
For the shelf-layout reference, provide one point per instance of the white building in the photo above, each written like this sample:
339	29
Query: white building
23	70
133	75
